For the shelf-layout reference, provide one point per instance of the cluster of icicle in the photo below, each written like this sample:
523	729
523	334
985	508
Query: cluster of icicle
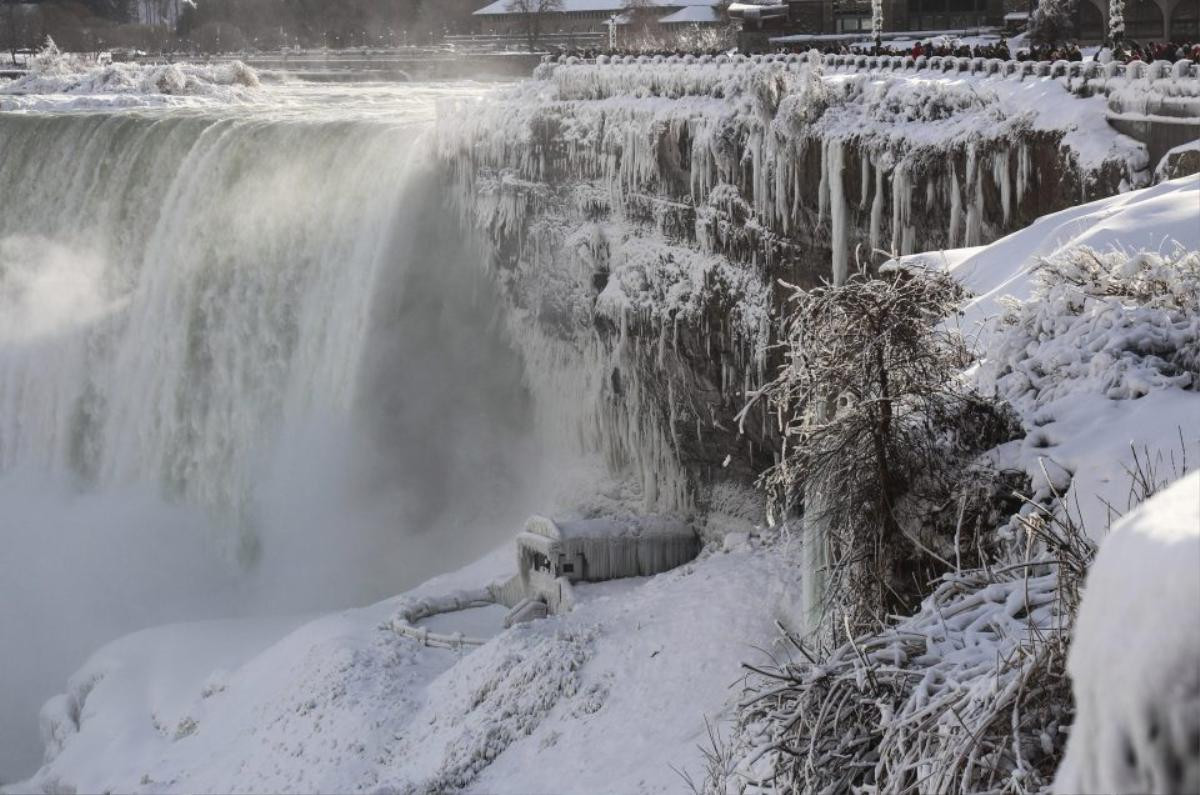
648	194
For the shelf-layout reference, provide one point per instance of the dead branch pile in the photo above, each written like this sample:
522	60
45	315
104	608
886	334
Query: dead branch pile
968	695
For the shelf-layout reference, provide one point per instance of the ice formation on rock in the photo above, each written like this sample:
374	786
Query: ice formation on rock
658	203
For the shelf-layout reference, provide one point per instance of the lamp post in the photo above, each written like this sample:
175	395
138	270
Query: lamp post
877	23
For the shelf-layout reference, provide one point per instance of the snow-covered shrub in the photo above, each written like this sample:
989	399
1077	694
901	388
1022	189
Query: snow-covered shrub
898	101
1117	323
968	695
803	105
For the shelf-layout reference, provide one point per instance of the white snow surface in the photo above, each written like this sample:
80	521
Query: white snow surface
1082	431
1133	660
604	699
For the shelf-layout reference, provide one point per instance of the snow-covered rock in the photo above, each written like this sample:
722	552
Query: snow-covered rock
1135	658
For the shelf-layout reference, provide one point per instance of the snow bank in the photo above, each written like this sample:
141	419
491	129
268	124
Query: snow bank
605	698
1095	371
1134	657
54	73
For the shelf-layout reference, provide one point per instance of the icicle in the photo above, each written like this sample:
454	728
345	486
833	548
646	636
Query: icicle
865	176
902	234
1003	182
839	233
877	210
975	202
823	186
1024	166
955	209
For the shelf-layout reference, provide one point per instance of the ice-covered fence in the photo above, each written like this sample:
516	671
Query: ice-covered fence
404	622
1098	75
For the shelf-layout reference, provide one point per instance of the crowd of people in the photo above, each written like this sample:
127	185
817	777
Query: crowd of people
1126	51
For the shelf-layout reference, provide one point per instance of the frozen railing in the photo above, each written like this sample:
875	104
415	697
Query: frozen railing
1104	73
404	622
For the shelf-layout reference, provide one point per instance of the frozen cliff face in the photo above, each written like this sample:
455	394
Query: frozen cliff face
642	213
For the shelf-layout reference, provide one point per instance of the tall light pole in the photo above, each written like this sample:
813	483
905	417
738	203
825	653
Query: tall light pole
877	23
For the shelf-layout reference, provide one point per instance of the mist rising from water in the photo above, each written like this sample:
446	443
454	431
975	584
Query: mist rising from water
245	366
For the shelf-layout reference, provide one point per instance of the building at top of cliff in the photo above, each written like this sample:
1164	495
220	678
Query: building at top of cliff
820	22
590	20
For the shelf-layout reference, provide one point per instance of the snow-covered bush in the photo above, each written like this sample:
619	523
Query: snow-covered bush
902	101
1117	323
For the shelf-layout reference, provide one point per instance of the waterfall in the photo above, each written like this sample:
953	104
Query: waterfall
246	363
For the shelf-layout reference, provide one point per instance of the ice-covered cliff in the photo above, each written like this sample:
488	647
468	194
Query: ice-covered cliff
641	212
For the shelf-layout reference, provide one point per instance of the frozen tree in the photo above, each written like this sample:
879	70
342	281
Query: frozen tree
1116	20
532	14
1052	21
874	421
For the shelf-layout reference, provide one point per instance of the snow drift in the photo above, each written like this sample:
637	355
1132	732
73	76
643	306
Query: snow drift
1133	659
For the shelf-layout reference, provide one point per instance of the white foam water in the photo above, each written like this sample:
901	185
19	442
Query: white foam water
246	364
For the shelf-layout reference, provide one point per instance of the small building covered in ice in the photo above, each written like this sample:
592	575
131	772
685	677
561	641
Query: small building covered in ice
590	550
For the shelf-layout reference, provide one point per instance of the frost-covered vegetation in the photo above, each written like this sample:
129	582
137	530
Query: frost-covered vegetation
971	693
929	649
878	433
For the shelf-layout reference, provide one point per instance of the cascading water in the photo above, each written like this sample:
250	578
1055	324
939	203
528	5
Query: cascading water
246	363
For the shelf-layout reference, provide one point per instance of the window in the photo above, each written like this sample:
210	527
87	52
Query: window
853	24
568	568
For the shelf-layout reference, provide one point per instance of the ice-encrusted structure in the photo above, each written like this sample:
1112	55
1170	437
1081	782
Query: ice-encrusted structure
640	212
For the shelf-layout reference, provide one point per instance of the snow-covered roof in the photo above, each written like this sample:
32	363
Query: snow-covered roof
607	527
1016	16
892	36
502	7
691	15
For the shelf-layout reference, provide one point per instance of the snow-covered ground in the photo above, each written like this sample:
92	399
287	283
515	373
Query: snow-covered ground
1084	428
604	699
